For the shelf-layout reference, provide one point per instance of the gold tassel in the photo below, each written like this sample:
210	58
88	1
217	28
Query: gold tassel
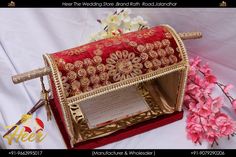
45	97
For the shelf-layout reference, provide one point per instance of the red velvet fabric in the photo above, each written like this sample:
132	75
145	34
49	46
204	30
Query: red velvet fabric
158	35
111	60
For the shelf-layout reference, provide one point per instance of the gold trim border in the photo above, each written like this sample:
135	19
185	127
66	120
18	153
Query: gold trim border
125	83
61	96
183	80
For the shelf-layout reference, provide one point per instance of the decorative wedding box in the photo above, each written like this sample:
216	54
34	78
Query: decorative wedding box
118	87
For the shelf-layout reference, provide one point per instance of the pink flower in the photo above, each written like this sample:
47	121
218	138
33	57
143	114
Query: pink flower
194	130
234	104
211	78
192	71
225	124
217	104
192	87
205	69
207	89
192	118
211	136
198	80
193	90
194	136
195	61
192	106
205	121
227	88
205	108
221	119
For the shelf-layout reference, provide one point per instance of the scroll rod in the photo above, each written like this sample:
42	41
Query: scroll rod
46	70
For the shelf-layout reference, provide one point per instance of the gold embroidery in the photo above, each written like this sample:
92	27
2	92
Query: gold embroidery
96	86
165	61
98	52
76	51
69	67
71	75
168	35
99	46
107	44
116	42
122	65
153	54
104	76
91	70
106	83
75	85
156	63
165	42
139	35
87	89
149	46
157	45
84	82
97	59
95	79
78	64
150	33
145	35
64	79
170	50
161	52
66	87
173	59
126	40
133	44
144	56
88	61
148	64
60	62
101	68
141	48
82	73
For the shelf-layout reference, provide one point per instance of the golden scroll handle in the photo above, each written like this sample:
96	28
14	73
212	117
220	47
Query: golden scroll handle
31	75
190	35
46	70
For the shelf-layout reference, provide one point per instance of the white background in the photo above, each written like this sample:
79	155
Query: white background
26	34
